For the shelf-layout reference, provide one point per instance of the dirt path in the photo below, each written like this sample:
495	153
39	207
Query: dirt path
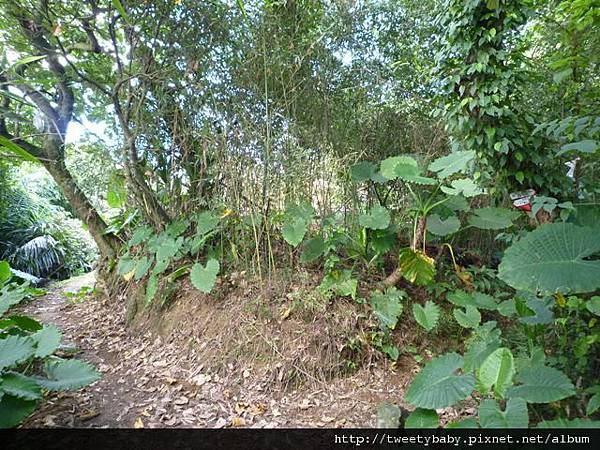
147	382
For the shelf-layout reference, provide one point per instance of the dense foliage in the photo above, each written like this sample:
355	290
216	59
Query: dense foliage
376	143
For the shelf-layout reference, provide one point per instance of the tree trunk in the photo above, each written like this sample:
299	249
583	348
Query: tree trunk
107	244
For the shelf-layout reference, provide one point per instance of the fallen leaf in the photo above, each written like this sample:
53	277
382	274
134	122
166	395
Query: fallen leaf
138	423
238	422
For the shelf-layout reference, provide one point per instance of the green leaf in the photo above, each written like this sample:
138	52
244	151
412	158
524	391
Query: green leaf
387	306
17	150
593	404
469	422
13	410
68	375
313	248
416	266
541	384
441	227
15	349
507	308
426	316
479	349
438	385
362	171
168	248
389	166
469	318
515	414
422	418
593	305
476	299
5	273
18	385
142	267
23	322
28	60
540	307
139	235
491	218
47	340
553	258
293	230
10	297
452	163
115	199
206	222
565	423
204	277
497	371
126	265
465	186
378	218
119	7
585	146
151	288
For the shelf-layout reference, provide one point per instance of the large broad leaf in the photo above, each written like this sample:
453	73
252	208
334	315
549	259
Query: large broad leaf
416	266
479	348
476	299
452	163
47	340
405	168
139	235
496	371
18	385
13	410
362	171
422	418
438	385
10	297
555	257
387	306
541	384
515	414
463	186
68	374
427	316
469	318
15	349
492	218
440	227
585	146
378	218
204	277
142	267
313	248
389	166
293	230
537	311
206	222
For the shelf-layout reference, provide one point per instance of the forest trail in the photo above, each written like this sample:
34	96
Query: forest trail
147	382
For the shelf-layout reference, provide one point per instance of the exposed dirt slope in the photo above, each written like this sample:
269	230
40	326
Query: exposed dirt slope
218	361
